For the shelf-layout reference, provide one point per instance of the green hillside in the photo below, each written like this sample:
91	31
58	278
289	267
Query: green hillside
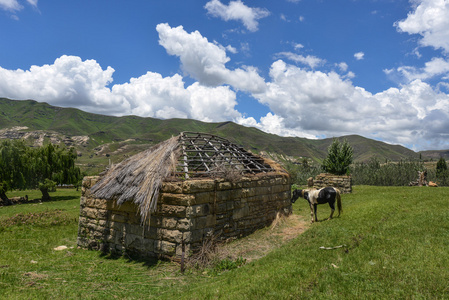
112	138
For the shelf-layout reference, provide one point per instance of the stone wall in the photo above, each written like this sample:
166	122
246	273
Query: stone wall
187	210
343	183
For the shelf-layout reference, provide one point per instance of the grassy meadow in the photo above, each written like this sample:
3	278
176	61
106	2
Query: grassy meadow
389	243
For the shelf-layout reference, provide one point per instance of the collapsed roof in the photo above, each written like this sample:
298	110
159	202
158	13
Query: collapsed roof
206	154
189	155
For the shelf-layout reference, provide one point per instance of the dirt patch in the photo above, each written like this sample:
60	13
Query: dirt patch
31	279
298	225
34	275
282	230
255	246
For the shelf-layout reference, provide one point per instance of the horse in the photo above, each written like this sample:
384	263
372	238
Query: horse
321	196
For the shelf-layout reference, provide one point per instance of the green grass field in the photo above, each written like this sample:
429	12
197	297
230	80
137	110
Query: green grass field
394	240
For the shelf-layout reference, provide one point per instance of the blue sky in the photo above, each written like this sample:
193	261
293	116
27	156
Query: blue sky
306	68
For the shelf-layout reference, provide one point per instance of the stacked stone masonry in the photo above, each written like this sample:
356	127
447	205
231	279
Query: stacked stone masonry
343	183
188	211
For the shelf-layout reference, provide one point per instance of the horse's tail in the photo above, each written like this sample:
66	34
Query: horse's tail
339	208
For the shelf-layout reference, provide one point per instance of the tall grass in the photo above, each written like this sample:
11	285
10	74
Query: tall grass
394	246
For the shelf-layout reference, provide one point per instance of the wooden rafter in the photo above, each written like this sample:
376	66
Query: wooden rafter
206	154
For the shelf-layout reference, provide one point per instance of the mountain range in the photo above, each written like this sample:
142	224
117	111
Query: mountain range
100	139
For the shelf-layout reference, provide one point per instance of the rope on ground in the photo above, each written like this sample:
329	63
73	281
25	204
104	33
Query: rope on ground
332	248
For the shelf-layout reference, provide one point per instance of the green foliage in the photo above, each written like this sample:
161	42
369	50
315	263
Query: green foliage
226	265
388	174
441	165
14	158
48	185
339	158
54	163
299	173
23	167
442	172
393	173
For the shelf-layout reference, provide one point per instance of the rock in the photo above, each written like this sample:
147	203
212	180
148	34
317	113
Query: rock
59	248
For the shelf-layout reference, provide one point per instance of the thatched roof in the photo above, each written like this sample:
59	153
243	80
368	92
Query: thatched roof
186	156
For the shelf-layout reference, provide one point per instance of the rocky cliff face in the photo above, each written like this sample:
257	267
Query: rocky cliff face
37	137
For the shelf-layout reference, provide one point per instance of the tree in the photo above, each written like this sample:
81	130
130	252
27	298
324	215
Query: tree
441	170
13	167
51	165
23	167
339	158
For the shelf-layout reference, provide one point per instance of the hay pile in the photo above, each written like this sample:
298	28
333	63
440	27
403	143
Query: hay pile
140	177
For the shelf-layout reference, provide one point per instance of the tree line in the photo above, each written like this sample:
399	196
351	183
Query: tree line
373	172
400	173
23	167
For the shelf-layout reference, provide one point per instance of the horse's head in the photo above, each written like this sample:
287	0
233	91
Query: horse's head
305	195
297	194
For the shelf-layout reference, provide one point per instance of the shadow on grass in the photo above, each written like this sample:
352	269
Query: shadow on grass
24	200
61	198
148	262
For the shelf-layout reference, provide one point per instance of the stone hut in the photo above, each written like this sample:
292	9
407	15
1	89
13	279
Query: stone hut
178	193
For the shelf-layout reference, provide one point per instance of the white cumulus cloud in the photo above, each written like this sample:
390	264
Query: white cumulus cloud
359	55
68	80
14	6
313	103
205	61
309	60
33	2
302	102
437	66
71	82
11	5
237	11
430	19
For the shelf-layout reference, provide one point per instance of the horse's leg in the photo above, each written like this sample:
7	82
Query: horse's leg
332	205
311	211
314	209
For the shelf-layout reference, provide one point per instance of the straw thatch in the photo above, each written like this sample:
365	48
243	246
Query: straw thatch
139	177
188	155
